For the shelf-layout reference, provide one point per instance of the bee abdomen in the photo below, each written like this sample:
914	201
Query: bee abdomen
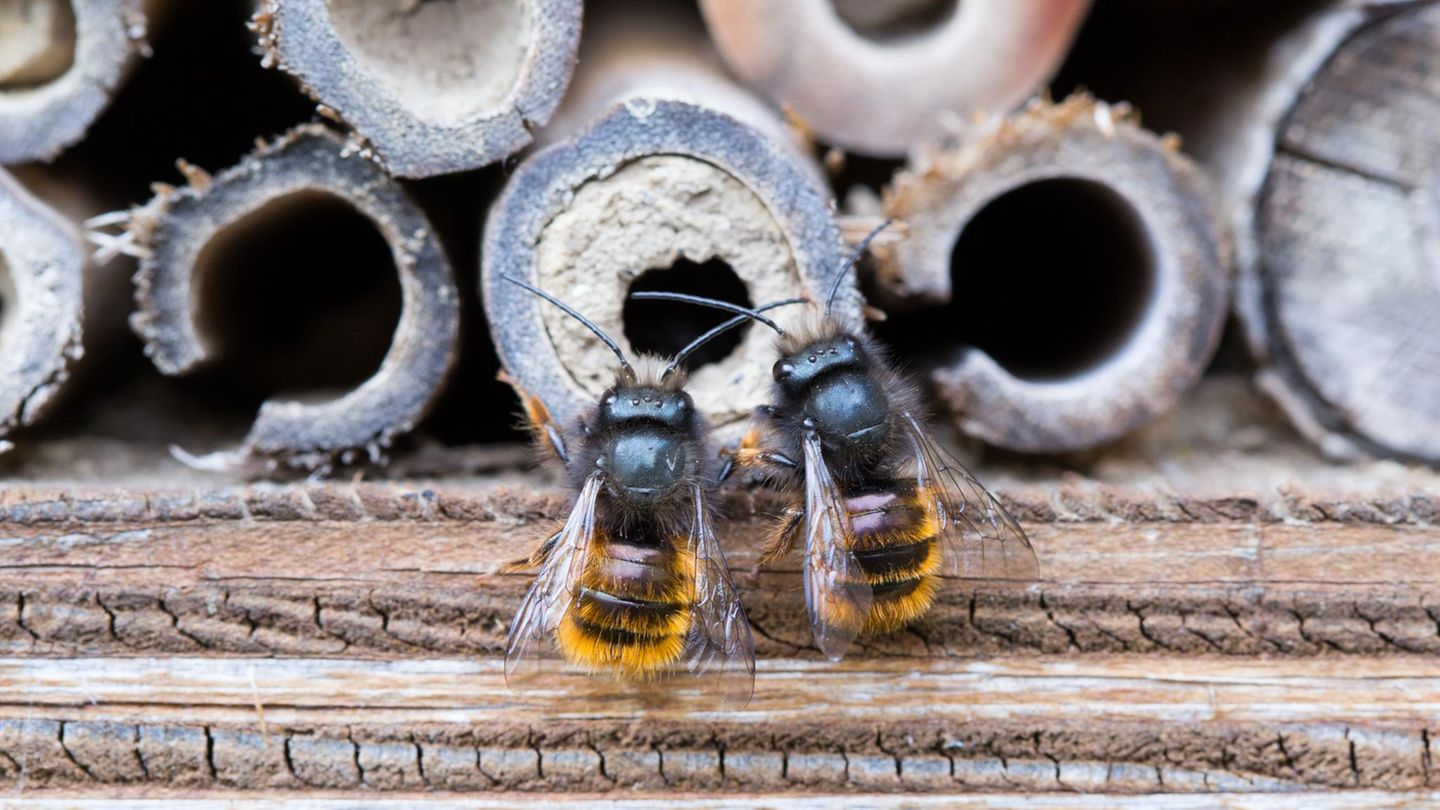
632	614
897	548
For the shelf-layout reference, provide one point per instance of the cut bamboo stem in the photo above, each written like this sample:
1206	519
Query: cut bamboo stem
1073	197
1338	292
881	78
432	88
42	267
659	165
175	230
61	61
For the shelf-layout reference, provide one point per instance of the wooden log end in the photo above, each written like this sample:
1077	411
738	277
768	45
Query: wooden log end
61	61
652	187
431	88
1090	204
42	266
1339	300
175	233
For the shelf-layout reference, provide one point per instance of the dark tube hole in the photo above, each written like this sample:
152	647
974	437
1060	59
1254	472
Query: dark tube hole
889	20
1049	279
664	327
299	298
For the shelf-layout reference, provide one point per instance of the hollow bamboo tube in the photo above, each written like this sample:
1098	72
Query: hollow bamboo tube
880	78
1338	289
432	88
1147	274
42	264
665	162
175	229
61	61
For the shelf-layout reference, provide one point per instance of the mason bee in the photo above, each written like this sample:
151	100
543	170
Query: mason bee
882	508
634	585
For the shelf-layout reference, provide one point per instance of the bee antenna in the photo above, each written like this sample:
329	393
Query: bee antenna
708	302
717	331
568	310
851	261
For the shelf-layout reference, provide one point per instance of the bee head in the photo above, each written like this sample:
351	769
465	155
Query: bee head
838	397
645	454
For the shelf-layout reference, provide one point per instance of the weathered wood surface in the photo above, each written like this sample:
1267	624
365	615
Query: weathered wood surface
431	89
149	799
342	640
180	232
1118	207
384	571
1150	724
1339	307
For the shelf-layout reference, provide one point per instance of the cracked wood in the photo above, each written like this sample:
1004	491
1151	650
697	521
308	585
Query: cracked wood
1126	725
391	570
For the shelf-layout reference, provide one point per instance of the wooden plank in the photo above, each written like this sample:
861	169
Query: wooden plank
398	570
1125	725
1347	800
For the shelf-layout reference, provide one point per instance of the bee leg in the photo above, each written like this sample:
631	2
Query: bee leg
533	559
782	537
748	452
538	419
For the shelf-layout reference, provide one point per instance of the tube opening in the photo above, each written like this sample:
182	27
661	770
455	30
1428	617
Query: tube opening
666	327
300	297
1050	279
37	42
445	60
890	20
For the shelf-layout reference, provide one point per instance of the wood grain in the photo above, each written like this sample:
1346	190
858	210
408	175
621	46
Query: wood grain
327	640
1339	309
395	570
1117	725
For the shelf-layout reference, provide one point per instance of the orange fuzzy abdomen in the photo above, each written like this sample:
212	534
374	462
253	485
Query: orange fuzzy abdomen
896	542
632	614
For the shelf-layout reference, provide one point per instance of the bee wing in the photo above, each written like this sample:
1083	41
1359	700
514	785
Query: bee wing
978	537
551	596
837	594
720	649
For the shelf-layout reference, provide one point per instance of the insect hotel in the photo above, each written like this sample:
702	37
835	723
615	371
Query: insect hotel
716	404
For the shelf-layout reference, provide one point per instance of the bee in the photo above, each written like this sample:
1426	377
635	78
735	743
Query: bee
634	585
881	510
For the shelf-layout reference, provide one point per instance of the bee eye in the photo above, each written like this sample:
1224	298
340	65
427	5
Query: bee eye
782	370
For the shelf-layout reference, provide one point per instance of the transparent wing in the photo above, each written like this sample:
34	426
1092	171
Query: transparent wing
979	538
530	650
720	649
837	594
